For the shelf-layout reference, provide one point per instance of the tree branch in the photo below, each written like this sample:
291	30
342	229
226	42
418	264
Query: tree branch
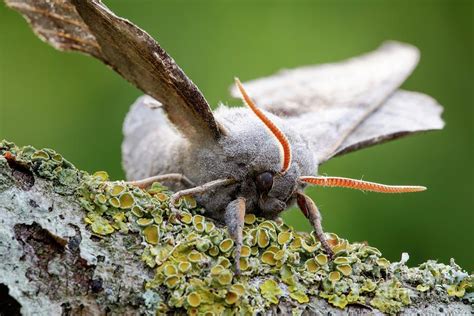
74	243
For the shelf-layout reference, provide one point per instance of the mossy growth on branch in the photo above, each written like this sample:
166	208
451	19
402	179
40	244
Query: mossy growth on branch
192	256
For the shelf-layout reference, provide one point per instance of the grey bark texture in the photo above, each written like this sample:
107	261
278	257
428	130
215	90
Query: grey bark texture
51	263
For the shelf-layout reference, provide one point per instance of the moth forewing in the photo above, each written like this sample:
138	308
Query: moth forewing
90	27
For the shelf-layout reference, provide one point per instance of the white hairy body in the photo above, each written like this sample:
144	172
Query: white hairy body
245	152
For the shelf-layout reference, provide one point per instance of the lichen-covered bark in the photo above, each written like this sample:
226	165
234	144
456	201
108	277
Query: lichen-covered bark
51	264
65	250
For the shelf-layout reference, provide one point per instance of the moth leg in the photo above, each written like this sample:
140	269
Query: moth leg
177	177
310	210
197	190
234	220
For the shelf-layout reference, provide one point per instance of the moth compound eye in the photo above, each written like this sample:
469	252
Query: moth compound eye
264	182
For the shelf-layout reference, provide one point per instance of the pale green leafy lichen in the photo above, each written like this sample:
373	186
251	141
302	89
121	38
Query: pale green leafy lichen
271	291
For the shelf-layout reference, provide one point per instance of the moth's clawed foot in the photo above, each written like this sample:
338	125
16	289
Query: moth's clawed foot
234	219
311	212
330	254
327	248
175	211
325	244
238	248
237	269
172	203
177	214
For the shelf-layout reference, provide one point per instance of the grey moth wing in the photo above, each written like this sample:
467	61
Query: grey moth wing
403	113
90	27
349	105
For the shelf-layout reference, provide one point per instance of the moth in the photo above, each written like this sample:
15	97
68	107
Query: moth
254	159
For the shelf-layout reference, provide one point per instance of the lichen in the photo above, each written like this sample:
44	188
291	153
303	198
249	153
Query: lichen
47	164
192	257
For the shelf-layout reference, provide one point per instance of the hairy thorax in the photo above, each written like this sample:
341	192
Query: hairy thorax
247	150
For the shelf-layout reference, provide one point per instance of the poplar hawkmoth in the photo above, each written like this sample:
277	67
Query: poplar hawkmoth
254	159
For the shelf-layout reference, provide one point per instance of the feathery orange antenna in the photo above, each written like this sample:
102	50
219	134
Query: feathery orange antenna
285	144
361	185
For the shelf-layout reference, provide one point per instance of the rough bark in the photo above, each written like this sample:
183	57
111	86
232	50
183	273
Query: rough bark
52	263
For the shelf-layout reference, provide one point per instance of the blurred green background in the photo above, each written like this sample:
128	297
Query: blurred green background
76	105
